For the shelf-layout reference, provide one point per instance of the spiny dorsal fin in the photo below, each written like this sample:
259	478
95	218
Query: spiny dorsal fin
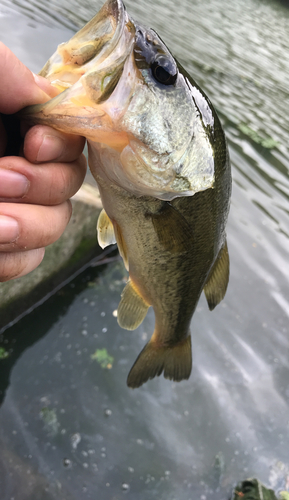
217	282
175	361
132	308
105	231
121	244
173	231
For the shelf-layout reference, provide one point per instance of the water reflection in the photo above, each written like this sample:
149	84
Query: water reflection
230	421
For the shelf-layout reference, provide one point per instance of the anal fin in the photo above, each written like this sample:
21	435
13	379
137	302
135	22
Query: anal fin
132	308
175	361
217	282
105	231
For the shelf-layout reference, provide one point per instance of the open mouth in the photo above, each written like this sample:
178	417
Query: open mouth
89	47
86	71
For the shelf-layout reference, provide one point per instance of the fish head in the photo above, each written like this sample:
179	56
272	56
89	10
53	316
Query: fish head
149	127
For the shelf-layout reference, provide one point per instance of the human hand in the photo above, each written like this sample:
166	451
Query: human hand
34	190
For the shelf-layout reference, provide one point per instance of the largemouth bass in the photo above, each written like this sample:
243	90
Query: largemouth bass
158	153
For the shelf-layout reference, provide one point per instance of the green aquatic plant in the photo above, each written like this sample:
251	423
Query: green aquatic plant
267	143
252	489
49	417
219	464
103	358
284	495
3	353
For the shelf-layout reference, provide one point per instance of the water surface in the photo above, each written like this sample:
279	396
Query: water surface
71	429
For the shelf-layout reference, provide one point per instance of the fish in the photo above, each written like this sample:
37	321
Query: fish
159	155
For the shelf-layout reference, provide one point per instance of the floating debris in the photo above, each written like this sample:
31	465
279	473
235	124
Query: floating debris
75	440
219	464
103	358
49	417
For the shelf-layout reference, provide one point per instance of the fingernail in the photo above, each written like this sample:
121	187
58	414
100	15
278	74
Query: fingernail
12	184
37	79
9	229
51	148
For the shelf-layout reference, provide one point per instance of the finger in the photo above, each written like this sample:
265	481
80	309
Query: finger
46	144
43	184
46	86
17	84
26	227
15	265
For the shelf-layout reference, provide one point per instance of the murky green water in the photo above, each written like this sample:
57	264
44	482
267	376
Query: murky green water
70	429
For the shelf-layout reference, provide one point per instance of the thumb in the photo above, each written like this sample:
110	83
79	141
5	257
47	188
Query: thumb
18	87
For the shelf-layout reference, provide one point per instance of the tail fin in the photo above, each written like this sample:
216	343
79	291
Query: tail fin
175	361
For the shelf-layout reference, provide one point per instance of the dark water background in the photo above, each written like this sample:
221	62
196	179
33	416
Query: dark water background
70	429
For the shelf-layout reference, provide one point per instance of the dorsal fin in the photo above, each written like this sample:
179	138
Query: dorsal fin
132	308
105	231
217	282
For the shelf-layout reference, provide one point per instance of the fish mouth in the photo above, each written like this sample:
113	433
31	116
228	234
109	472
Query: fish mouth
91	45
120	87
86	70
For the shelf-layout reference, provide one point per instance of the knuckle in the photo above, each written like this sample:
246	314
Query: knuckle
66	180
56	222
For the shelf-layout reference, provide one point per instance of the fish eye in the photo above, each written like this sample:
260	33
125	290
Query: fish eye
151	53
164	71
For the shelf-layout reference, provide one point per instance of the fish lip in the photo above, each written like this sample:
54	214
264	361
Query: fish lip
38	113
99	38
90	32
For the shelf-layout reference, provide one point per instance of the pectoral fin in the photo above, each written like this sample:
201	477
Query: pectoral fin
173	231
217	282
132	308
105	231
121	245
109	233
